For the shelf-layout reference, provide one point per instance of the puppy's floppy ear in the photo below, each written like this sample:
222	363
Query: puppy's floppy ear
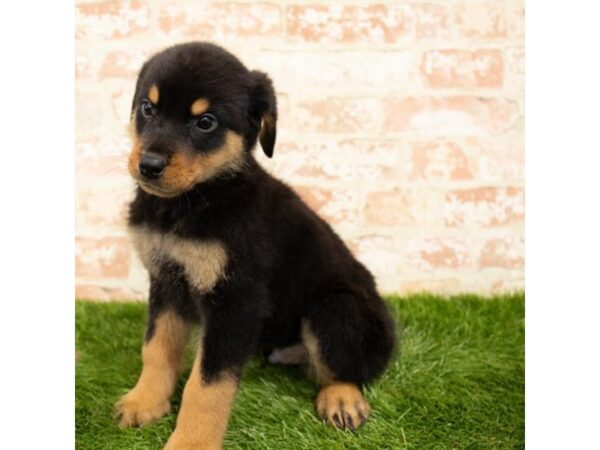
265	110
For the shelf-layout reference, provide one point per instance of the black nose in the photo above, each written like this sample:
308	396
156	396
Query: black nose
152	166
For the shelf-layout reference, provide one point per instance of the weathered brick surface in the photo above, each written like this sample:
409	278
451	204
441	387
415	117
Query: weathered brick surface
454	115
486	206
345	23
450	20
99	258
401	123
337	115
90	291
462	68
335	205
504	252
438	253
441	160
111	19
515	68
339	71
123	63
339	160
219	21
382	253
400	207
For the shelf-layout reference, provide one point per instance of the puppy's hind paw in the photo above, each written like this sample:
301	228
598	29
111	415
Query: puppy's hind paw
342	405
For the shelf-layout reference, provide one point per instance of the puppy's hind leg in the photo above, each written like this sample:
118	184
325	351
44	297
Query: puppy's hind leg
349	342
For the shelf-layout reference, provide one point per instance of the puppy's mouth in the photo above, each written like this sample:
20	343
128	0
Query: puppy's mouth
153	189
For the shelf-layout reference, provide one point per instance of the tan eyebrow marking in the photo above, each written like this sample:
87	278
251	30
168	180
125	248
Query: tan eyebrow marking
199	106
153	94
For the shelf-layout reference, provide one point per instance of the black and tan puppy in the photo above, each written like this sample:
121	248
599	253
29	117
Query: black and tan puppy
236	251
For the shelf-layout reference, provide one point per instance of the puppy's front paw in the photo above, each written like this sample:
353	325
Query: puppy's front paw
138	408
342	405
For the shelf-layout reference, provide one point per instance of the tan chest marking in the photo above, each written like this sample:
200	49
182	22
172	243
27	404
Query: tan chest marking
204	262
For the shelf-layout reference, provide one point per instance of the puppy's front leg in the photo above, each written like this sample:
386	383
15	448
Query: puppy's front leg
204	413
229	336
162	353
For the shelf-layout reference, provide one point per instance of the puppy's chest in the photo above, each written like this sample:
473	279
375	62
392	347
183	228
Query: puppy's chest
203	261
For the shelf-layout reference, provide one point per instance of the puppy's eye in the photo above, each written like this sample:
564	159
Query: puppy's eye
207	123
147	108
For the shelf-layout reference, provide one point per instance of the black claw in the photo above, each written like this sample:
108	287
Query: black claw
349	421
342	412
337	421
362	416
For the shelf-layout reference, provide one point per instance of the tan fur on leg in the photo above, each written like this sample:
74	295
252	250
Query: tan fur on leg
204	413
150	398
316	364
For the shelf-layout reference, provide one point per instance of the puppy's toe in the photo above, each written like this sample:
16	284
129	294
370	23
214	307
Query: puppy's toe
136	409
342	405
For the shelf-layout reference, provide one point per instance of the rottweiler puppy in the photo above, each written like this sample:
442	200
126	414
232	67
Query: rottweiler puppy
236	251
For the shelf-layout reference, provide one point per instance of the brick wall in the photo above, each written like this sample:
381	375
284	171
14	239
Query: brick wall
400	122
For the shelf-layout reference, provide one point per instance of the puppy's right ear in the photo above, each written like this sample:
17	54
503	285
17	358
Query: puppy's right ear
265	110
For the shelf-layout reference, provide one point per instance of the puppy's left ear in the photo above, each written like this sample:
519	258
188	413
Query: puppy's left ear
265	110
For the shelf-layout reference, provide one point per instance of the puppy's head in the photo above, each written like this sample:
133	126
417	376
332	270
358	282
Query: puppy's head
197	113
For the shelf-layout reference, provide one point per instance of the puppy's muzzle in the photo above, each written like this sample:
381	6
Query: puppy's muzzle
152	165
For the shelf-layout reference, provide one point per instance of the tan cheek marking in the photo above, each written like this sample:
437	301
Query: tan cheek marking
161	356
227	158
204	262
204	413
184	171
134	159
199	106
180	174
317	366
153	94
131	129
136	151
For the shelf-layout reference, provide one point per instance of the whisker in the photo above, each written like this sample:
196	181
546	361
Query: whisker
113	169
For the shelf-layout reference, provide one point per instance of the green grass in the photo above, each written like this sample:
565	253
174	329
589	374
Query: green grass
457	383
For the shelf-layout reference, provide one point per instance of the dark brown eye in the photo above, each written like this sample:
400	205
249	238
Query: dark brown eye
147	108
207	123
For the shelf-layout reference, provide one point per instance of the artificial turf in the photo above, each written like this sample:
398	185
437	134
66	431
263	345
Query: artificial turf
456	383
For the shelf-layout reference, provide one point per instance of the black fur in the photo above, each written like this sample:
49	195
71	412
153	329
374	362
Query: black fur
285	263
